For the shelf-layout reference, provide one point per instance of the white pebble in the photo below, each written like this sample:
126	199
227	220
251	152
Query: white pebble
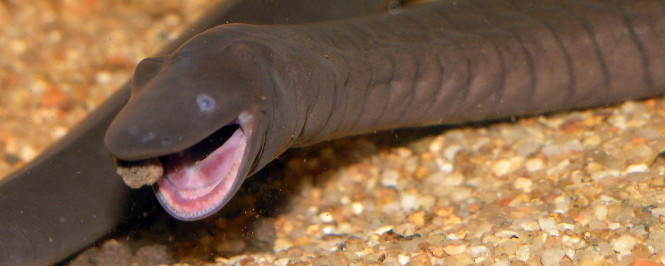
501	262
607	198
236	259
552	256
618	121
549	225
637	168
409	201
566	226
624	244
282	244
444	166
562	204
600	212
406	229
357	208
450	152
573	242
658	212
329	230
389	178
461	194
103	77
523	253
591	141
403	259
344	228
454	179
502	167
311	211
506	234
326	217
523	184
613	226
454	249
282	262
530	225
478	251
533	165
383	229
345	200
436	145
27	153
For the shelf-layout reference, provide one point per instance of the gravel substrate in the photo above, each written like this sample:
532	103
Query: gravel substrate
583	187
61	59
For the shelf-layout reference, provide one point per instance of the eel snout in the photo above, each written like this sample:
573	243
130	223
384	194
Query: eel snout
195	182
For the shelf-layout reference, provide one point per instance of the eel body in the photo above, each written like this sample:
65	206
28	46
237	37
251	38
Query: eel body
233	98
70	196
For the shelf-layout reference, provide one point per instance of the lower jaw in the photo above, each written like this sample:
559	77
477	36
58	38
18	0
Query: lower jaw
197	203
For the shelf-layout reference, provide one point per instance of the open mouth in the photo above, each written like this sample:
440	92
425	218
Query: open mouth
201	179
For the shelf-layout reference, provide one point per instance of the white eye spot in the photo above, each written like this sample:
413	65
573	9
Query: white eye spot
205	103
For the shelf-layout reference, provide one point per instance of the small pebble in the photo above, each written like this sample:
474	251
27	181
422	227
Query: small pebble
523	253
600	212
535	164
454	249
403	259
658	212
103	77
450	152
552	256
636	168
549	225
326	217
389	178
562	204
523	184
624	244
383	229
453	179
502	167
530	225
478	251
358	208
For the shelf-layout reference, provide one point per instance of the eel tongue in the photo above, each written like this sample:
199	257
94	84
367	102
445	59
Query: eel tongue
190	173
196	181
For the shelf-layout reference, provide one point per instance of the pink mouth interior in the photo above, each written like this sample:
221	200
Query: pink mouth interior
195	183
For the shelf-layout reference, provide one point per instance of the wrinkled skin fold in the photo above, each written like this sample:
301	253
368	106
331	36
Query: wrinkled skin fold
439	63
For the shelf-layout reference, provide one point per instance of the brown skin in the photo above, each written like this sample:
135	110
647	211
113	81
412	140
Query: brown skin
439	63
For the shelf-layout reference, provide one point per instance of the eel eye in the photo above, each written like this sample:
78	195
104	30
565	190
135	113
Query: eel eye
205	103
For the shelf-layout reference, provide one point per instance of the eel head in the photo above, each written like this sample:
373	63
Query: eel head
203	112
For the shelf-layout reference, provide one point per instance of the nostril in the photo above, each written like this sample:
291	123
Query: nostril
148	137
166	141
